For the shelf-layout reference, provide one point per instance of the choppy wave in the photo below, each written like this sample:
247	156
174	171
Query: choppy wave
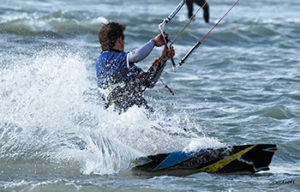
58	23
278	112
69	23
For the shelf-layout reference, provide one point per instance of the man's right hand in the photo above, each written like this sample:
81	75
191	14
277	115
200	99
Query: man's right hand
167	54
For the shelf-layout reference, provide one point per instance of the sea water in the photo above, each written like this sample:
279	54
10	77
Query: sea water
241	86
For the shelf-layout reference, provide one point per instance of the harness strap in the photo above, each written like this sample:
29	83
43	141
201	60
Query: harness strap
106	92
109	89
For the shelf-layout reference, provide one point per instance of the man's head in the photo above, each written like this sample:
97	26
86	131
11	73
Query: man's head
109	34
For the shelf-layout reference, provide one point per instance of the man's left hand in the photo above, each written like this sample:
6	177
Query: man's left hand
159	40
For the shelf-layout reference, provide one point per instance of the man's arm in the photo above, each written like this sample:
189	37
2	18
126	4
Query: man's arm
145	50
150	78
141	53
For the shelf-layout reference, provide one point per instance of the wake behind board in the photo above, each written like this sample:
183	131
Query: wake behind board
232	159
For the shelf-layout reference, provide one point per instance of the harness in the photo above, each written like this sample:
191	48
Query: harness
106	93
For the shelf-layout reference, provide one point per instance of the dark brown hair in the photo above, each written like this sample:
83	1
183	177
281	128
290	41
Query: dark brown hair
109	34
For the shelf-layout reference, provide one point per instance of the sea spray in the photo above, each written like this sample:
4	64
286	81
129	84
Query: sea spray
51	111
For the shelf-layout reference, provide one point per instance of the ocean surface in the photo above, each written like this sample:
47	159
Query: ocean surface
241	86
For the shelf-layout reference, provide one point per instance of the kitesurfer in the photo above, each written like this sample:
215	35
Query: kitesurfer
190	6
120	81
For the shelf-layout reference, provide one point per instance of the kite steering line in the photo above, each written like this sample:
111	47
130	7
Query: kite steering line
199	42
169	18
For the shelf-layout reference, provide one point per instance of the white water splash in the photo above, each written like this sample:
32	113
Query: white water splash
203	143
51	110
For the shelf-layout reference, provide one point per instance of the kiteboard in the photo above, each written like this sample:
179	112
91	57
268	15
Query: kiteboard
232	159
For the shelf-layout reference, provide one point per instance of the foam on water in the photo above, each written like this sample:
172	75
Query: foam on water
51	111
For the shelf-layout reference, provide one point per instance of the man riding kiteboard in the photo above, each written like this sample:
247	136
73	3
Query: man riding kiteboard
120	81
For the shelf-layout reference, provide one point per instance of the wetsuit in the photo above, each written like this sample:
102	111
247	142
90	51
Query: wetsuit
190	7
121	82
